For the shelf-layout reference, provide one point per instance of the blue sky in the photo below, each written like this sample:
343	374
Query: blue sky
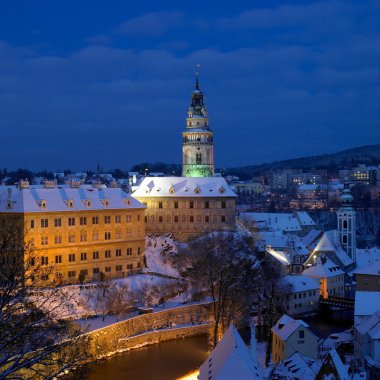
83	82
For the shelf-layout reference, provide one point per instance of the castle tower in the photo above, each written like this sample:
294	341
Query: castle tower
347	222
197	140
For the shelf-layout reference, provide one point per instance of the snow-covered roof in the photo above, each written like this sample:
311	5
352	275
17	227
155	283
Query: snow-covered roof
296	365
183	187
286	326
366	303
367	256
372	269
230	359
63	198
299	283
310	237
341	369
330	243
280	256
277	221
370	326
323	267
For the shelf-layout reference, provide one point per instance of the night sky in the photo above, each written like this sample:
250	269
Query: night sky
109	82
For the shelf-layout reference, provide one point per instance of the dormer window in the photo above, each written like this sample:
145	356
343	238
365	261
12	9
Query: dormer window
70	203
87	202
197	190
42	204
105	202
222	190
171	190
9	204
127	201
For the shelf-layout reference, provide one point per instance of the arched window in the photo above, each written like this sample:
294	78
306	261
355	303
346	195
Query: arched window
344	239
344	223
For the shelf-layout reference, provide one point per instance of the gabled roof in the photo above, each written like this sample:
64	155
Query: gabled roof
286	326
297	366
299	283
183	187
324	245
334	359
372	269
230	359
370	326
323	267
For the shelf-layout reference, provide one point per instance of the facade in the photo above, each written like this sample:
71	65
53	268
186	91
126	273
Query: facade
302	294
82	231
292	335
197	139
187	207
368	278
347	223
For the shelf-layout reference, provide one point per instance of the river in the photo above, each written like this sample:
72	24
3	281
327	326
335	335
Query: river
169	360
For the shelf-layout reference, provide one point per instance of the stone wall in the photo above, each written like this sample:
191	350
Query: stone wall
150	328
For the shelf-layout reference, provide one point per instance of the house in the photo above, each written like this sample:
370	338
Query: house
231	359
367	345
302	294
333	368
296	367
368	278
329	275
366	304
292	335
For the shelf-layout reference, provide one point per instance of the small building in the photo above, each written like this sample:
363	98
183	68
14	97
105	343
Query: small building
366	304
292	335
368	278
367	345
302	294
329	276
231	359
333	368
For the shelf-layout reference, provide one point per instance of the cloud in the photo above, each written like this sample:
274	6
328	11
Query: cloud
101	39
151	24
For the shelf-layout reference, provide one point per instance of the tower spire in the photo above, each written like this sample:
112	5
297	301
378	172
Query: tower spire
196	77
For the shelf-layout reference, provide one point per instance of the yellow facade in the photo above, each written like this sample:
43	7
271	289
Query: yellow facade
111	242
188	217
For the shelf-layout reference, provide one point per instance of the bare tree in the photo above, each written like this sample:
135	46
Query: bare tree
36	341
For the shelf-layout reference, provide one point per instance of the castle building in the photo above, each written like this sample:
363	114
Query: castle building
197	140
347	222
197	202
82	231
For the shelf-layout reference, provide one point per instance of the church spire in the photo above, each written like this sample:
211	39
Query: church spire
196	78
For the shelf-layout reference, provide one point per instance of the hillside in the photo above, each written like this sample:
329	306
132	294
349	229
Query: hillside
369	155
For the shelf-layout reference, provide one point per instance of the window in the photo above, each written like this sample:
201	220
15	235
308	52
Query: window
207	219
58	239
129	266
107	269
301	334
44	260
84	272
117	234
159	204
138	250
175	204
344	239
129	251
223	218
71	238
223	204
344	223
95	271
160	219
138	217
198	158
83	256
117	219
32	223
83	236
107	219
119	268
95	255
83	221
118	252
107	253
57	222
95	236
107	236
44	223
71	221
71	273
191	219
44	240
191	205
176	218
58	259
71	257
95	220
128	218
207	204
129	233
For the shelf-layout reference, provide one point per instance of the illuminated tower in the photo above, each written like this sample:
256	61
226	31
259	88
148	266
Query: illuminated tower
347	222
197	140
